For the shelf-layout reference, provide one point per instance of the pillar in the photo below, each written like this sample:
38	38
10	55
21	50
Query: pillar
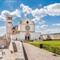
8	28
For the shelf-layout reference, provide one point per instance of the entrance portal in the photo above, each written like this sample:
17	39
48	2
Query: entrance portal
27	37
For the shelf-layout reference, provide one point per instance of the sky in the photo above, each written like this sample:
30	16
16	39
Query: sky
45	14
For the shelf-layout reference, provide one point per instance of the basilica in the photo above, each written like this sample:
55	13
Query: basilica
25	31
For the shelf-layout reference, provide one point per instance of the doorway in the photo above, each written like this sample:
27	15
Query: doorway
27	37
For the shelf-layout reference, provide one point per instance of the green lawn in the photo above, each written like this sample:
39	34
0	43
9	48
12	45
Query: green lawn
51	43
53	46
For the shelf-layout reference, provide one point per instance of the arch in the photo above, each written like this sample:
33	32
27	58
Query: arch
27	36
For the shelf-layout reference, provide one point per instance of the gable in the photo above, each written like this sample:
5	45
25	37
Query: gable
27	22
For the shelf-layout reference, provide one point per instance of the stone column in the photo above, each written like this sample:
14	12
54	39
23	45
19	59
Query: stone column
8	28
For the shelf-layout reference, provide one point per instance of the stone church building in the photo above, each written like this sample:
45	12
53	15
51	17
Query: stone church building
26	31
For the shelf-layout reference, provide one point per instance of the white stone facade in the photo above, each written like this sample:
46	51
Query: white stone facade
27	31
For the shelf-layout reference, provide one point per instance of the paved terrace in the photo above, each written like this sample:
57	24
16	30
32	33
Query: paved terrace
17	55
35	53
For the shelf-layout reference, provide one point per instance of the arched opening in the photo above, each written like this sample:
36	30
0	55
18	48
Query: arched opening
27	36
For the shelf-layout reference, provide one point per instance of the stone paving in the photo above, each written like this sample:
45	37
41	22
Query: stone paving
19	55
35	53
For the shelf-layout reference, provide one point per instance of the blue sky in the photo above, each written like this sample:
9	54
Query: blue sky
14	4
49	21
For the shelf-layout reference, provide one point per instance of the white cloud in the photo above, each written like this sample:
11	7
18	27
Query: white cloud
42	22
26	9
16	13
57	24
37	28
8	13
44	26
36	13
39	12
5	13
2	18
36	19
53	9
2	30
41	28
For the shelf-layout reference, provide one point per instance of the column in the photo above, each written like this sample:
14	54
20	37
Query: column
8	28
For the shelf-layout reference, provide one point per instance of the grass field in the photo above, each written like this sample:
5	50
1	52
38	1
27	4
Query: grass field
53	46
51	43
